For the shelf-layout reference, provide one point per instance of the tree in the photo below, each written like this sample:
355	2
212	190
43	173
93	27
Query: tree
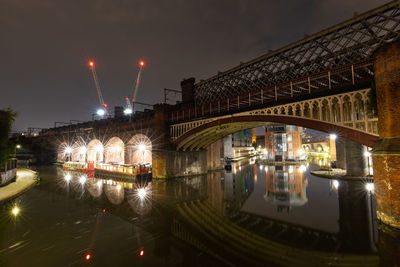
7	117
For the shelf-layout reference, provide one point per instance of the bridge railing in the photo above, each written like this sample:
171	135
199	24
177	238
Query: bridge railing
329	82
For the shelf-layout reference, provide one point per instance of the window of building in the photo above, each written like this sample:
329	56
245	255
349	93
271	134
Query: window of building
290	145
291	154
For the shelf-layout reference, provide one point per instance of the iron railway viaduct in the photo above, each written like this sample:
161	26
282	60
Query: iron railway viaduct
329	81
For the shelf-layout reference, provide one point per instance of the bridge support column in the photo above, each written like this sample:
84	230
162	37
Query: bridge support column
214	155
386	153
228	146
340	153
356	163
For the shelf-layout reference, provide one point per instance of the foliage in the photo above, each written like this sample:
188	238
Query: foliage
7	117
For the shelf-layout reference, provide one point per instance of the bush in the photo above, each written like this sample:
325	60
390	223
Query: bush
7	117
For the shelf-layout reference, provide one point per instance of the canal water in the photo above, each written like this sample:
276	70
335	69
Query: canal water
253	215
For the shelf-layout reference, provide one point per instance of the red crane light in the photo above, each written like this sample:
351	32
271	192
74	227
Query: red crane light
141	63
91	63
88	256
105	105
141	253
127	98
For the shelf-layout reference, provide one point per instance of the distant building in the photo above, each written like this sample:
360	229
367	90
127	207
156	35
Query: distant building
283	142
286	187
242	138
321	147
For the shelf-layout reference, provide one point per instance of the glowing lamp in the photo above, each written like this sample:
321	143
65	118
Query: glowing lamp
15	211
369	187
367	154
141	253
335	184
68	149
127	111
118	187
332	136
91	63
101	112
18	146
141	63
142	147
88	256
142	193
67	177
82	180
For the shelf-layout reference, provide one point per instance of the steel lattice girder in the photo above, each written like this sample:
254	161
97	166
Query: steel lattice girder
350	42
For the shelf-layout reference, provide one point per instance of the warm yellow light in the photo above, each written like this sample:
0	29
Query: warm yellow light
15	211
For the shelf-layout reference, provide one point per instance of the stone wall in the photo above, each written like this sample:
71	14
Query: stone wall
168	164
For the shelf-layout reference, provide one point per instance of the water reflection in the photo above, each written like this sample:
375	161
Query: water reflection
286	187
281	207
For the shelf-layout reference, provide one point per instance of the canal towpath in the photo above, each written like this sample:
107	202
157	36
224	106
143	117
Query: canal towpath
25	179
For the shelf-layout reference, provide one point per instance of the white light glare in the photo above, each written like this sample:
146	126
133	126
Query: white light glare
367	154
101	112
67	177
118	187
82	180
303	168
332	136
141	193
99	183
335	184
300	151
82	150
369	186
68	149
127	111
142	147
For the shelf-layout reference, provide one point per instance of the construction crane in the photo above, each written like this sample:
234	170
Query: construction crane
130	103
103	111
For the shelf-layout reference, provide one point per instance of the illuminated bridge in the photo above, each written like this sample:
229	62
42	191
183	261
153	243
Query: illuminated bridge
320	82
336	81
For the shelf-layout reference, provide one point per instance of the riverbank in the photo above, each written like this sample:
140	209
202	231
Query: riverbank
25	180
337	174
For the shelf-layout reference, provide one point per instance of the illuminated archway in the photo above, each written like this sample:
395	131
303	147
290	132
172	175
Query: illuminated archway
139	149
95	150
114	151
78	153
64	152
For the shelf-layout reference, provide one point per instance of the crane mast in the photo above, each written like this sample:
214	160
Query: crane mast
97	84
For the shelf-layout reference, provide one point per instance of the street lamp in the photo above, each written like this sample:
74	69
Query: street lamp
128	111
101	112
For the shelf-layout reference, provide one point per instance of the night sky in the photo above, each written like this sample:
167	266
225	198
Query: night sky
45	46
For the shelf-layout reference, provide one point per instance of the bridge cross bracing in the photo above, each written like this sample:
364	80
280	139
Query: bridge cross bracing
347	110
346	45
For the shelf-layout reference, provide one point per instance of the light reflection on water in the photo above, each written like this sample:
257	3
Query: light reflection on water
252	196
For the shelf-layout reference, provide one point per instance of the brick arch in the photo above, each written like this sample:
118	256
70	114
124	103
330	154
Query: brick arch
259	120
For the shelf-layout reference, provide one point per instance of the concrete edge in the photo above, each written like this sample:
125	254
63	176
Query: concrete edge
24	189
341	177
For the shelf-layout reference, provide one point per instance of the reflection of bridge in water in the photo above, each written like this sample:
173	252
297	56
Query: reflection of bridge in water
231	243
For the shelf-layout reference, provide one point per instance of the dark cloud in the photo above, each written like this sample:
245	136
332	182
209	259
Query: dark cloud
45	45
